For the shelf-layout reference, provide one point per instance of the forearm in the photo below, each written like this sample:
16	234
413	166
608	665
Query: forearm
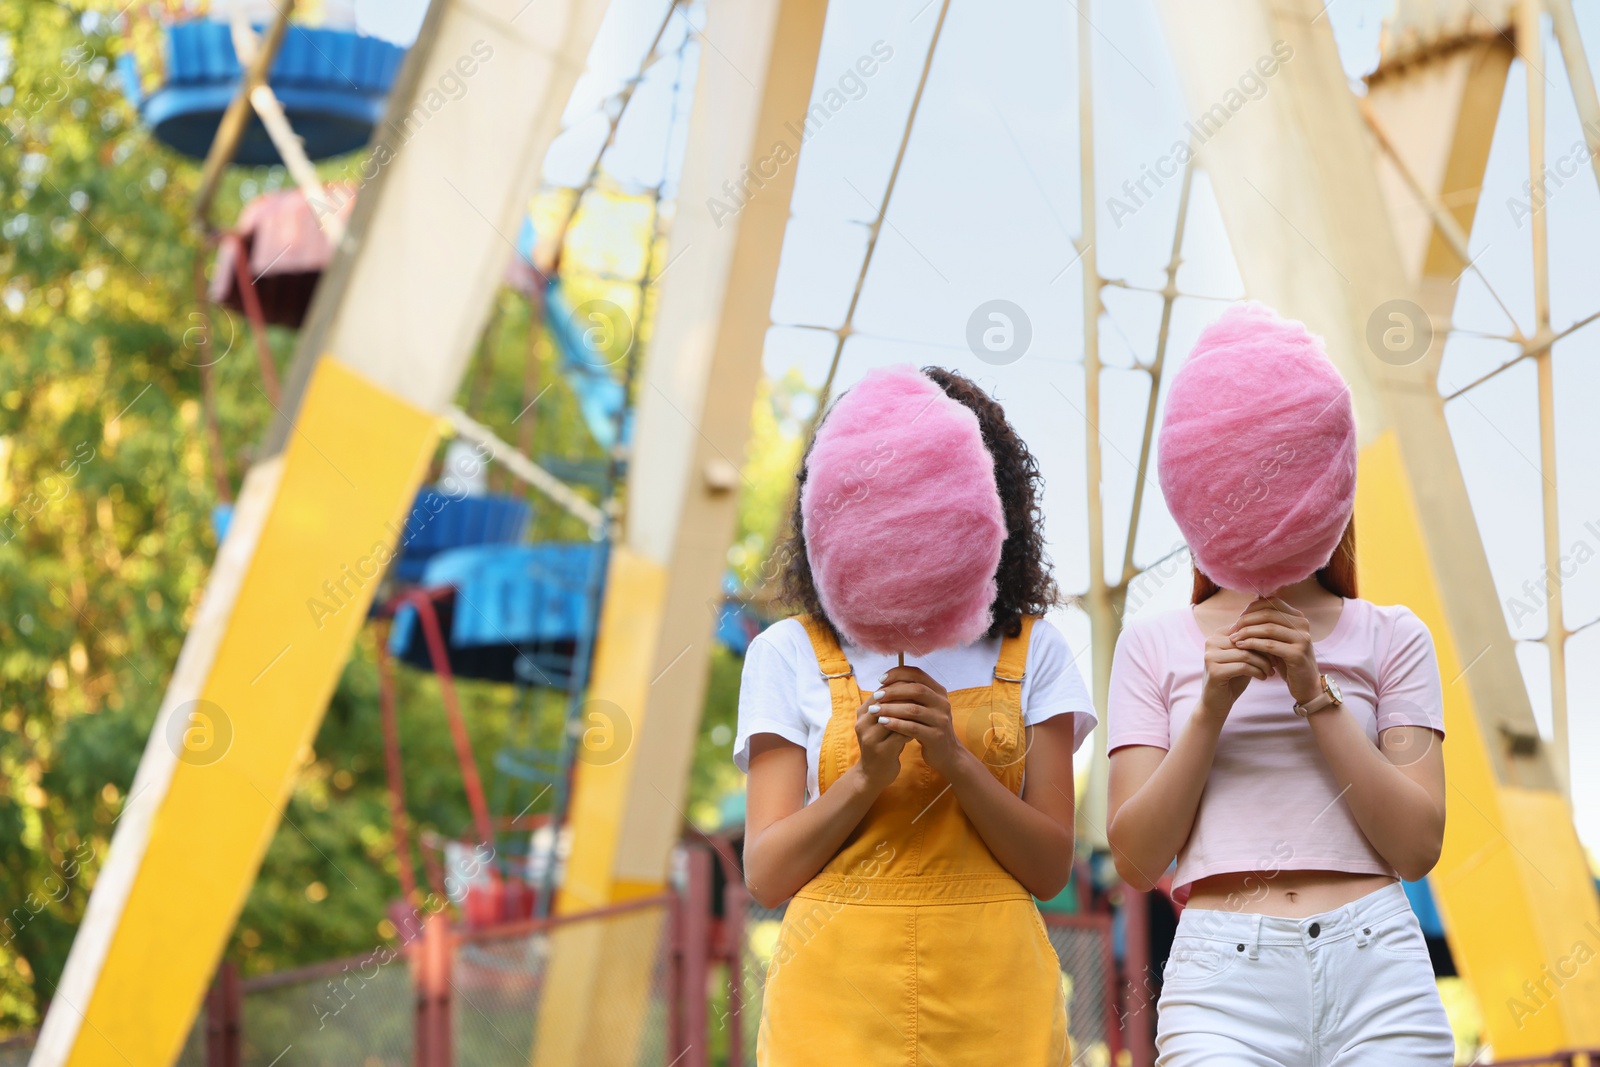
1150	827
1032	846
790	852
1397	814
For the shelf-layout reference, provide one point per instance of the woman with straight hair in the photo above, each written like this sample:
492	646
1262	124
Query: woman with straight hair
1279	736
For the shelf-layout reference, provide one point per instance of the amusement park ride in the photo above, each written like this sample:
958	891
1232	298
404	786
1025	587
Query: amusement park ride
390	290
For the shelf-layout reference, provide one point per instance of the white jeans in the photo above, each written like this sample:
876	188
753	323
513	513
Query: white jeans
1349	988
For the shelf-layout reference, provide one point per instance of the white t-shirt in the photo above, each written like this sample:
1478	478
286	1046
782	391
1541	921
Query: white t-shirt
783	691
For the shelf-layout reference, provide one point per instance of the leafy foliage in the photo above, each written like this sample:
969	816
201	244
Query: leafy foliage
103	498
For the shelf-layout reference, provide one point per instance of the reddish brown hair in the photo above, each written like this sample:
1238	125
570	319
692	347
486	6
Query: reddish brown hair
1337	576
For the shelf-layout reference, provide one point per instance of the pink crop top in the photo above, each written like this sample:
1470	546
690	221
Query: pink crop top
1270	801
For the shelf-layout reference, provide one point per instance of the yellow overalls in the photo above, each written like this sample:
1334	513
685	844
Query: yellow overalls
914	945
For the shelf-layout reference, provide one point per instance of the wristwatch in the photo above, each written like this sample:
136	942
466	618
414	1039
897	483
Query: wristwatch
1328	698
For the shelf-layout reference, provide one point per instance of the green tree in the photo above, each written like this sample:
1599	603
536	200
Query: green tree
103	497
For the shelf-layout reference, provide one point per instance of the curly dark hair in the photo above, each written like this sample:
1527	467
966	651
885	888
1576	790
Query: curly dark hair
1026	585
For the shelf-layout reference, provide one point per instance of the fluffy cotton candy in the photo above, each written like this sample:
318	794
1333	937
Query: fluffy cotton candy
902	518
1258	451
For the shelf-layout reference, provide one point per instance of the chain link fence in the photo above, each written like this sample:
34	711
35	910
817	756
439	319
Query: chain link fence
617	964
760	941
1089	981
14	1051
193	1053
356	1012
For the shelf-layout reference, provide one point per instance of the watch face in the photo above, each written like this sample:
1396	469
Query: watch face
1333	689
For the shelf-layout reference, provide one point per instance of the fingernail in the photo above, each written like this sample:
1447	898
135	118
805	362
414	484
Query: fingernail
884	677
878	695
872	709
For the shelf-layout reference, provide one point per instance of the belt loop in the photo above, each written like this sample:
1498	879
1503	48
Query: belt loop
1361	922
1255	938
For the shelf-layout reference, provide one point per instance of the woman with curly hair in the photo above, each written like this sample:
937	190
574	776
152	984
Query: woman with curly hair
913	812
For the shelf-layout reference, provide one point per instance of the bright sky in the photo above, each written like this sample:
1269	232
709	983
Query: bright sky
987	208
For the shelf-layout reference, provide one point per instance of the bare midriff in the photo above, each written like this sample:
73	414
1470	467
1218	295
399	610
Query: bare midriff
1290	894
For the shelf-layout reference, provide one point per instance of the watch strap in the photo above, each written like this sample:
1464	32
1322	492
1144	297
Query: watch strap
1322	701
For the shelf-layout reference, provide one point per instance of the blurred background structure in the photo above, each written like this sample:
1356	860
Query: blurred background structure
400	404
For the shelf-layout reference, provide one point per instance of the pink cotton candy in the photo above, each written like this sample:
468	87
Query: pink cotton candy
902	518
1258	451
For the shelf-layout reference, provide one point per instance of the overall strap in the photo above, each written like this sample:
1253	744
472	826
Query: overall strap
1010	752
830	657
831	661
1010	669
839	738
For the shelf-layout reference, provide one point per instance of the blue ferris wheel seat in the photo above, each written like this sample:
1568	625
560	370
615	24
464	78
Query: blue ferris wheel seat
333	85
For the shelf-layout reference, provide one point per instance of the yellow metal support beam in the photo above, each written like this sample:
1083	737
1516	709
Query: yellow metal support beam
395	319
1513	886
352	467
697	386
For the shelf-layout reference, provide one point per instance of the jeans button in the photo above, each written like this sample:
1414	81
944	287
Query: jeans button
1316	928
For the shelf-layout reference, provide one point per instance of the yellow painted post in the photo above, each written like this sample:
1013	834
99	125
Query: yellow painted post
1512	885
395	319
230	753
696	389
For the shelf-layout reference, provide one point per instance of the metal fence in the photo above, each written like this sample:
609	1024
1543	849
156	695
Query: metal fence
748	973
500	979
14	1051
193	1053
457	996
355	1012
1089	981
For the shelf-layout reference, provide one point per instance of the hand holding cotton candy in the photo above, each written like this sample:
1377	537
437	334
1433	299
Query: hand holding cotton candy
1258	451
902	517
